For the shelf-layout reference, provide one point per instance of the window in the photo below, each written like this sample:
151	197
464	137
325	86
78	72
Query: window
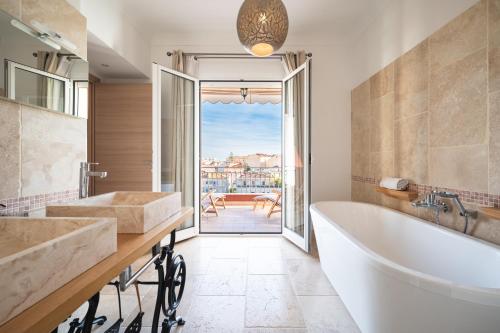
33	86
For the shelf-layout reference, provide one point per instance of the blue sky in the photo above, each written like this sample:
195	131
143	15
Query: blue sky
240	128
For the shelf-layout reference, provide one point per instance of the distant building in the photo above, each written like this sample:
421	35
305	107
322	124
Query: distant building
255	173
258	160
257	182
214	181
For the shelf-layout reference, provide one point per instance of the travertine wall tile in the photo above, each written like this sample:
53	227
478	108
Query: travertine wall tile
458	107
360	99
53	145
360	163
11	7
494	44
435	120
464	167
382	83
494	149
382	123
360	118
10	149
381	164
363	192
484	227
360	129
462	36
411	82
494	161
411	148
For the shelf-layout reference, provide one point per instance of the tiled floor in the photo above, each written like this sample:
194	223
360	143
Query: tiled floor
244	284
242	219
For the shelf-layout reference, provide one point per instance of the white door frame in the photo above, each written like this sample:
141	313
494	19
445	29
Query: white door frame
303	243
156	71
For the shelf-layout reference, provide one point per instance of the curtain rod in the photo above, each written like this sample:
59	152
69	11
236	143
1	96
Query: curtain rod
233	55
69	55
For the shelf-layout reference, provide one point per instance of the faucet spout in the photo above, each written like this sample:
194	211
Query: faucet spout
100	174
85	174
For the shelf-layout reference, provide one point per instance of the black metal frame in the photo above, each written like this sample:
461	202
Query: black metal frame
171	281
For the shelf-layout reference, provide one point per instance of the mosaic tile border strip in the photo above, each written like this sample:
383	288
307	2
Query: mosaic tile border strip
478	198
23	205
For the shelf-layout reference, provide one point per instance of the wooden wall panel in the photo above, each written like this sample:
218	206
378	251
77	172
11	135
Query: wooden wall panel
123	136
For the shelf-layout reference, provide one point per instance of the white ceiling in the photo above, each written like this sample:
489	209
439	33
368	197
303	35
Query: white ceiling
104	62
327	21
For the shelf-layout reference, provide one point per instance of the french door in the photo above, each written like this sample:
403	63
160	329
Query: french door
296	156
175	140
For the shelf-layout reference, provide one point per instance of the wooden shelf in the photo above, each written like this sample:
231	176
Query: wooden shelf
491	212
401	195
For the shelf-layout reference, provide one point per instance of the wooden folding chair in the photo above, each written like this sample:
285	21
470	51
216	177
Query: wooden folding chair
265	198
209	202
276	206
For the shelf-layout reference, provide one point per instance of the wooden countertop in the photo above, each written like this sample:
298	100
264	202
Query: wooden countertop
45	315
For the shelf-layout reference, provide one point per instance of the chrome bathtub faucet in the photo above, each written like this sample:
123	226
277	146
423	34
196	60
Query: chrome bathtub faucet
85	174
462	211
432	202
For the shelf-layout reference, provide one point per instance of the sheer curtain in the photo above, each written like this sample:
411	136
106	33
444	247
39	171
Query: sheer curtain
180	135
294	154
51	91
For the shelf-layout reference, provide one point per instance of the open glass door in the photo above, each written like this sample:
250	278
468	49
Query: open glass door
296	161
175	140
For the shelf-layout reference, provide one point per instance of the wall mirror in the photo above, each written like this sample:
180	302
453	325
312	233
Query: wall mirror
39	68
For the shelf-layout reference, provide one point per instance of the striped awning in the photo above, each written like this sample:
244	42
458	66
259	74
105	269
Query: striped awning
233	95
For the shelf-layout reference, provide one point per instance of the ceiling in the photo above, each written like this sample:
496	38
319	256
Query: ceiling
328	21
105	62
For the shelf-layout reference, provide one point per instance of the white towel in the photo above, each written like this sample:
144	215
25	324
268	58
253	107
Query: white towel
398	184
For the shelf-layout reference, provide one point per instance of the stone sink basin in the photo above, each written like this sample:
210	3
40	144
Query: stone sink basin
40	255
136	212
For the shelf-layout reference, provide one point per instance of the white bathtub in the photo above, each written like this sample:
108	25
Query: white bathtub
398	274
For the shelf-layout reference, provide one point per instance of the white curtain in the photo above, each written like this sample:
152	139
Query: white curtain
51	91
294	159
180	135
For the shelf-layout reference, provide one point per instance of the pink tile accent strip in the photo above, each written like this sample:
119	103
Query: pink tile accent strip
22	205
478	198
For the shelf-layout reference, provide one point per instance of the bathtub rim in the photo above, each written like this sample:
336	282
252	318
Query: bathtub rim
431	283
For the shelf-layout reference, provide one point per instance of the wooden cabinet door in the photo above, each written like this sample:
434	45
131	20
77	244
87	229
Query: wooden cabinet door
123	136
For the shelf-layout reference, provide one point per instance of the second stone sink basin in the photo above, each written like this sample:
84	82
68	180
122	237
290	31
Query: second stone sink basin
40	255
136	212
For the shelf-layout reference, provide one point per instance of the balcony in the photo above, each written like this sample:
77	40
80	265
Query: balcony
233	191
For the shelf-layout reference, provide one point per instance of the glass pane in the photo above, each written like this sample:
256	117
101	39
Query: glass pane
177	138
294	153
81	99
37	89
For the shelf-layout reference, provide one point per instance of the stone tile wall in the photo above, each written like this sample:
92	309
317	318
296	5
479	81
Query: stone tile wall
40	153
433	117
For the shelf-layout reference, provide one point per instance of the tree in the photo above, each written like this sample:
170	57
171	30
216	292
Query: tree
277	182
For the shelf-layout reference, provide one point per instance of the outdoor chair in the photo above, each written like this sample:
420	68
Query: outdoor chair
210	201
274	199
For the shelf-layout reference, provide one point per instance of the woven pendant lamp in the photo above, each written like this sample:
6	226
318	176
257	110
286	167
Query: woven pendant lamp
262	26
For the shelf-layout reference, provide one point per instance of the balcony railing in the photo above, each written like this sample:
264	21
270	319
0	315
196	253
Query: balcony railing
240	180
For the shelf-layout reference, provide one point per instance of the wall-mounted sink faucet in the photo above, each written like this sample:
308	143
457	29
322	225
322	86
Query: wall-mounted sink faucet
85	174
431	201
